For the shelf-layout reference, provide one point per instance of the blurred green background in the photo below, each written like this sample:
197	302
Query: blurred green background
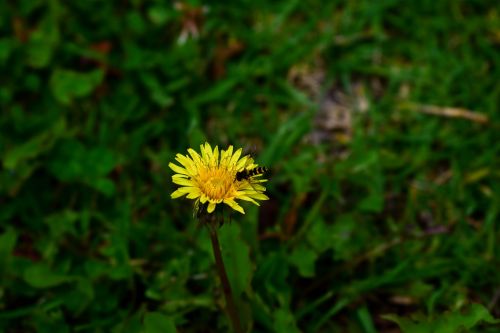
378	119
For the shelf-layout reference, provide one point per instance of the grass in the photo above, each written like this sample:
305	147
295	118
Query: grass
378	206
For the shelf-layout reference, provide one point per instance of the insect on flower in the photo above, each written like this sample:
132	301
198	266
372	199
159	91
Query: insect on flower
247	173
215	177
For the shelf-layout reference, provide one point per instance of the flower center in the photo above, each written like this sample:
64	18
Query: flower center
215	183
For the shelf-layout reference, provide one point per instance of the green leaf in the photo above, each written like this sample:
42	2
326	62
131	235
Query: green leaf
68	84
236	256
133	324
158	92
80	295
365	319
50	321
374	202
216	92
451	322
73	161
284	321
320	236
159	14
135	22
6	47
343	233
340	236
304	259
41	276
42	43
271	275
35	146
100	160
69	159
155	322
61	223
7	243
104	185
137	57
285	139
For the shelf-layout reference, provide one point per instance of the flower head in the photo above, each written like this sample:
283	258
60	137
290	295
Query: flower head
211	178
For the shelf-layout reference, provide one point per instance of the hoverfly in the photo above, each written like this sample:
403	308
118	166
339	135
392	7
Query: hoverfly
246	174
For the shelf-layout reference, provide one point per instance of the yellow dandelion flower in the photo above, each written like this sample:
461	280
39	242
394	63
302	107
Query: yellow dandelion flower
218	177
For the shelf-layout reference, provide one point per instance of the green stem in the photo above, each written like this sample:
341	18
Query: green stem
221	270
